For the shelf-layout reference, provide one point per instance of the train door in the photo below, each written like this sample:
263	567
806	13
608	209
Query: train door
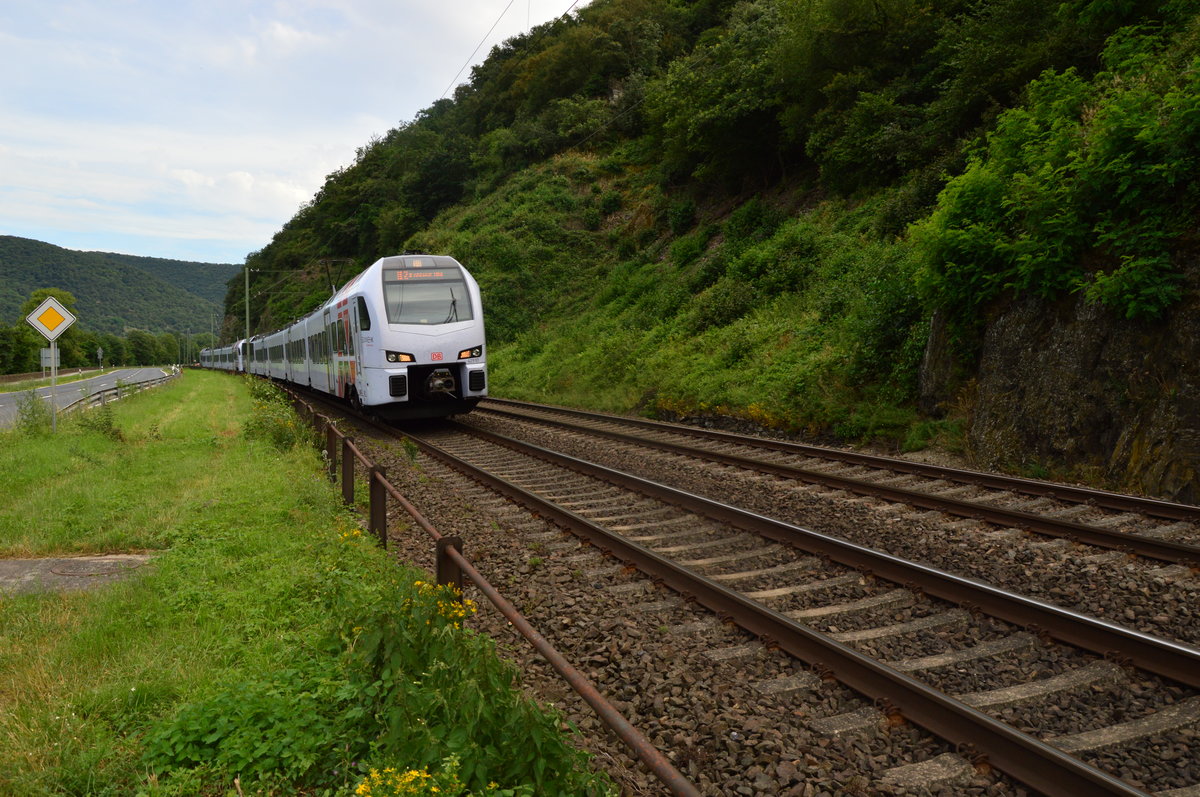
330	354
348	365
358	322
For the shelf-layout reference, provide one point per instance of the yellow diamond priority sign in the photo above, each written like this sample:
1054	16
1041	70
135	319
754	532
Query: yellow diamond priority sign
51	318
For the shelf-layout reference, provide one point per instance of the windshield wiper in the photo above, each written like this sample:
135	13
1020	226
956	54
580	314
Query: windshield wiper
453	308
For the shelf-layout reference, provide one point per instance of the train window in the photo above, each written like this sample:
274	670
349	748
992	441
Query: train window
364	318
426	297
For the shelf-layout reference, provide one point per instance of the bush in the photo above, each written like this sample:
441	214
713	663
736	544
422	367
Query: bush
754	221
101	420
412	692
722	304
681	216
1088	187
686	250
610	203
34	416
274	420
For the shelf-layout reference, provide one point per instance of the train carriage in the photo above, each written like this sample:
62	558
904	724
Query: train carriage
225	358
404	339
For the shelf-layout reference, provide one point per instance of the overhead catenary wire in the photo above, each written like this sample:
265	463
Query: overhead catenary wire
472	55
466	63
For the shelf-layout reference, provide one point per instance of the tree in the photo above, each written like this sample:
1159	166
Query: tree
143	348
716	111
69	342
18	349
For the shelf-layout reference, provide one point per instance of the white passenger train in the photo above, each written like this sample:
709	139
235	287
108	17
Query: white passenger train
403	339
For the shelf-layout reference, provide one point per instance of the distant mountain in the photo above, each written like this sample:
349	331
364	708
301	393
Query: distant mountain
114	292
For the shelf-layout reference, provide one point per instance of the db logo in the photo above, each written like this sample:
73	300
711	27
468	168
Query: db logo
435	356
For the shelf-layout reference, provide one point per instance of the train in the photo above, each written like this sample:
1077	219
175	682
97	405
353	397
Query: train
403	339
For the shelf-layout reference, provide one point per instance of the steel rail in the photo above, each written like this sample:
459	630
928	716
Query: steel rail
1084	495
1036	763
1170	659
1162	550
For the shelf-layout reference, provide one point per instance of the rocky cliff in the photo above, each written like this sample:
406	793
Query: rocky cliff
1071	388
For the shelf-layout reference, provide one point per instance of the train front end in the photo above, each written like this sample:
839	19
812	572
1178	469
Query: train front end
423	349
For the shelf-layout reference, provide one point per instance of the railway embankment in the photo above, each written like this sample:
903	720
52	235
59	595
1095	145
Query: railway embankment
264	645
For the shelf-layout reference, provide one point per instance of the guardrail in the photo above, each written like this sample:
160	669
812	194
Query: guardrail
101	397
342	455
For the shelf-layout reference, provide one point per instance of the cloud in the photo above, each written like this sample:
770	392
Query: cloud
211	120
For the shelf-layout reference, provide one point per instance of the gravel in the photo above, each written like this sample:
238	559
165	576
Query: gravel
652	654
708	716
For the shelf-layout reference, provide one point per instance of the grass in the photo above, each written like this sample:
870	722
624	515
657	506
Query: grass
268	647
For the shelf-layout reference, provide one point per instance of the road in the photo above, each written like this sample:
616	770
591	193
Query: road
67	394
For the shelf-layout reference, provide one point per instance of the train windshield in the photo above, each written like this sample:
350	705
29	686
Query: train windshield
426	296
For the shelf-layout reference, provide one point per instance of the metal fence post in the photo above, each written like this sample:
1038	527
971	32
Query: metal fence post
347	473
378	509
331	451
448	571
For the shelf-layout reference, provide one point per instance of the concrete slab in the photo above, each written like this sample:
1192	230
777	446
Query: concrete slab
885	600
1179	715
953	617
737	653
944	771
23	576
789	686
811	586
982	651
1097	672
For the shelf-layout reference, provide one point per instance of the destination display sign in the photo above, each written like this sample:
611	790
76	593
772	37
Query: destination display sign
400	276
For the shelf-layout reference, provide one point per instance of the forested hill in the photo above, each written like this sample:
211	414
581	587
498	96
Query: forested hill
114	291
827	216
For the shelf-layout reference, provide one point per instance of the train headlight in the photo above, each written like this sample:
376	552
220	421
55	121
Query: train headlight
399	357
468	353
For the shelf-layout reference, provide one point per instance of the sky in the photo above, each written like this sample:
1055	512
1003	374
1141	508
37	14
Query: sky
194	129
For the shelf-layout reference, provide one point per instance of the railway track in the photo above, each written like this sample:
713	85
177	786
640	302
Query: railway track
893	630
1118	522
1139	591
1060	701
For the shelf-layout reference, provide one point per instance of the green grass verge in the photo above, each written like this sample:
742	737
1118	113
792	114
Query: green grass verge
268	647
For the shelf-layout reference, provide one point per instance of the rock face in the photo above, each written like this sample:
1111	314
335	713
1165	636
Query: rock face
1072	387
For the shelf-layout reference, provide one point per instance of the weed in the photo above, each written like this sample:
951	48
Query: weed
274	421
947	433
33	415
103	421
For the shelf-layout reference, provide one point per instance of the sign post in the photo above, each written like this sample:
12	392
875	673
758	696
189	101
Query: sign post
52	319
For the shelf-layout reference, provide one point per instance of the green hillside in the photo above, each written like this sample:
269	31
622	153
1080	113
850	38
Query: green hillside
756	208
114	292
